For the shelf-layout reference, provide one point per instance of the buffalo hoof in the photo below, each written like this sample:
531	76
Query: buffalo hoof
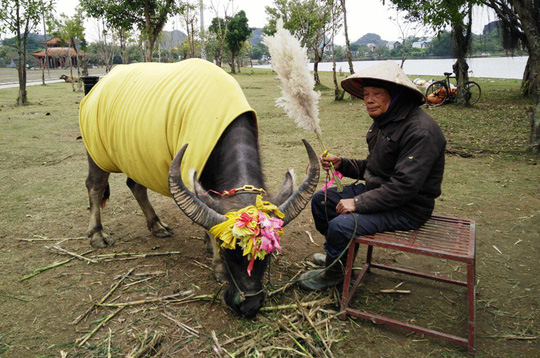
160	229
101	240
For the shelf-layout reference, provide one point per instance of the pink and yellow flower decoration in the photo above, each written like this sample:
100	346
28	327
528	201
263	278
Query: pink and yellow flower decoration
253	229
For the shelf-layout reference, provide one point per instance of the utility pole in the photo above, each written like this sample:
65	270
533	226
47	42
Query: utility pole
201	11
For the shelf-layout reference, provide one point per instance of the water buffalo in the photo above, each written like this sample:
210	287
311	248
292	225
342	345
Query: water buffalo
139	120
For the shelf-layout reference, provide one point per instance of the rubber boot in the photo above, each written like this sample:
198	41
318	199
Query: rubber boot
319	259
322	279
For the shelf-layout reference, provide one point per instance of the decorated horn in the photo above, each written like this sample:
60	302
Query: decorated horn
298	200
192	206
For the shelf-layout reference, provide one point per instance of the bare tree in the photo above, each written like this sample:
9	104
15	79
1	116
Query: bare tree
21	17
219	27
189	19
407	29
105	41
337	13
46	59
347	42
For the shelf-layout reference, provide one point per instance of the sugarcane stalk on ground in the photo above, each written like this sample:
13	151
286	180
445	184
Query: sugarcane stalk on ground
98	327
45	268
107	295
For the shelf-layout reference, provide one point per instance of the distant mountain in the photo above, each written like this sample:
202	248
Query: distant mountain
492	26
256	36
172	39
370	38
34	43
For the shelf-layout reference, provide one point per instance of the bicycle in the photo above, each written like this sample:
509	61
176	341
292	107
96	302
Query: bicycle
441	92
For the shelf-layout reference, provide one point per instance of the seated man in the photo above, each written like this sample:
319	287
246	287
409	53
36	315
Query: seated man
402	172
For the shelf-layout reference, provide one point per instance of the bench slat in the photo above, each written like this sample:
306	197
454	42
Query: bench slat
440	236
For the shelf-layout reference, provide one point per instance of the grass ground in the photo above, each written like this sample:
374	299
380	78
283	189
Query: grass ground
491	179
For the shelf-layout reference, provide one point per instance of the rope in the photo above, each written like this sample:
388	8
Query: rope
232	192
244	295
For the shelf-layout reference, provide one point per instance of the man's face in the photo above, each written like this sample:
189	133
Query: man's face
377	101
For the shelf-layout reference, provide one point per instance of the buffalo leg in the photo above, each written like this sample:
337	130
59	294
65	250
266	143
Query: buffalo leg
220	272
153	222
97	184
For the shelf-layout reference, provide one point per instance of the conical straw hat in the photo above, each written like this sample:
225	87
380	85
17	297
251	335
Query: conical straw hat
387	71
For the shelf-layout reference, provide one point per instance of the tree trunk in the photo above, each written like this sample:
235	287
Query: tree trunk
461	38
530	24
316	67
123	52
535	128
148	51
530	84
233	67
21	71
334	74
46	60
71	66
347	42
522	17
21	68
79	83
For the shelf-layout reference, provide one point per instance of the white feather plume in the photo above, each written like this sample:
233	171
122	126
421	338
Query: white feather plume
290	62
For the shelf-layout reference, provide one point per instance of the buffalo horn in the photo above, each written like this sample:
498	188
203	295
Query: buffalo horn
192	206
298	200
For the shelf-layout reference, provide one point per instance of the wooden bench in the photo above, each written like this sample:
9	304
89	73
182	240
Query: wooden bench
443	237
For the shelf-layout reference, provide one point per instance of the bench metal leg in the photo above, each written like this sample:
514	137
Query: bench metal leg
471	298
369	255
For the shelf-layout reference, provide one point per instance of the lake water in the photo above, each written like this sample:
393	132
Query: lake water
496	67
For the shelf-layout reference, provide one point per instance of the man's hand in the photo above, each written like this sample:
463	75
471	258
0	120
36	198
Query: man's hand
345	206
327	161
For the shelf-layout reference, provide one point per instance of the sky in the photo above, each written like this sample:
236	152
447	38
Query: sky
363	16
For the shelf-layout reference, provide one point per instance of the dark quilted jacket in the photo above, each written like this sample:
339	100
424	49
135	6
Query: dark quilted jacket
404	168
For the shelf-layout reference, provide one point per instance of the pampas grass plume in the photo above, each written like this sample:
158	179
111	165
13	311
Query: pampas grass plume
290	62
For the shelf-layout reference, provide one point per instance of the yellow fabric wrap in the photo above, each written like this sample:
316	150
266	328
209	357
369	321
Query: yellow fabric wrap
224	230
138	116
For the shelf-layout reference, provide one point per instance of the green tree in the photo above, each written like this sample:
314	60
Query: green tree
309	20
522	18
188	14
355	50
258	50
238	32
21	17
216	45
440	14
72	29
442	44
149	16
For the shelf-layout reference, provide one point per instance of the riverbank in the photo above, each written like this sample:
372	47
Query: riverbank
489	67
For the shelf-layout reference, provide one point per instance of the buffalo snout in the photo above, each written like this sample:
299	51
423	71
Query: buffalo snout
246	305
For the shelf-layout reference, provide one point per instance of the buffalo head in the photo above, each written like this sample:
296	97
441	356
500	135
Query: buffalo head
244	294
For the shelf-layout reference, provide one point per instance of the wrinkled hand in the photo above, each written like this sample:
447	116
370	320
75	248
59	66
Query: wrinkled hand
345	206
327	161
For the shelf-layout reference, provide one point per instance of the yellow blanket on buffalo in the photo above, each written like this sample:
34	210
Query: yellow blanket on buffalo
138	116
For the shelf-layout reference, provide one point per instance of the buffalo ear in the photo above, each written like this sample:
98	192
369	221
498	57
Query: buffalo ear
286	190
204	196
